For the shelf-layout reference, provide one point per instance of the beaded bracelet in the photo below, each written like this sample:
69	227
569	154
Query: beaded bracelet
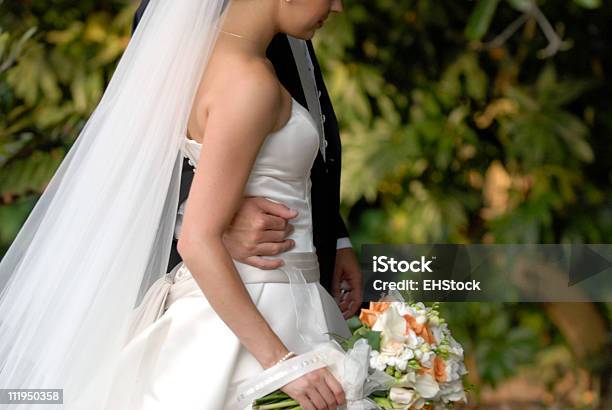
285	357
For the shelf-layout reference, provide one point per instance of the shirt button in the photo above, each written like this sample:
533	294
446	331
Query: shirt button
319	94
323	117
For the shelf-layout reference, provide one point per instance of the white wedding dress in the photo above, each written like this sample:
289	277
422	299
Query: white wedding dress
181	354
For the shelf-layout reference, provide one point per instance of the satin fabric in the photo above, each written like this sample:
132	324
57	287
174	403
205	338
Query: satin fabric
180	353
281	171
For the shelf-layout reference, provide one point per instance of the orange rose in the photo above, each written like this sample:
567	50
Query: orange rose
379	306
368	317
418	328
371	315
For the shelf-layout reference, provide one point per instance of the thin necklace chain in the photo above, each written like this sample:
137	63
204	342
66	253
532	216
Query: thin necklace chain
236	35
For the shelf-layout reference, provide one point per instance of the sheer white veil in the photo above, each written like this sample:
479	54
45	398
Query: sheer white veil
101	233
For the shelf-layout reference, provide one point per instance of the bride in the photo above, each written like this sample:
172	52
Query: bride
194	81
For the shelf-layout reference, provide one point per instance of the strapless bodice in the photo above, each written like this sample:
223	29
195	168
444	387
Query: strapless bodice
281	171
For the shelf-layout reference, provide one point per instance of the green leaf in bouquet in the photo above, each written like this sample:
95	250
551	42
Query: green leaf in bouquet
354	323
364	332
384	402
338	338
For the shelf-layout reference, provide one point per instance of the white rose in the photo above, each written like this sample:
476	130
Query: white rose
392	327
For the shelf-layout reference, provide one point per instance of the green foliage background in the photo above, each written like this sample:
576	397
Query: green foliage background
451	134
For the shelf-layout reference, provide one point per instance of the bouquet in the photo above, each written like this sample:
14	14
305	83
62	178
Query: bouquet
411	358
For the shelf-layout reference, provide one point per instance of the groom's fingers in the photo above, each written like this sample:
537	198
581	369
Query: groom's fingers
265	221
275	208
274	248
274	235
261	263
354	299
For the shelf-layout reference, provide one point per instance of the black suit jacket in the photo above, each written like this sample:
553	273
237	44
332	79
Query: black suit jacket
328	225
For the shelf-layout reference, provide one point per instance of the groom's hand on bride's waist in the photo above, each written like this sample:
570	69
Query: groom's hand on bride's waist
260	228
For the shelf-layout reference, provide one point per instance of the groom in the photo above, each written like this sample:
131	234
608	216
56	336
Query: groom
260	227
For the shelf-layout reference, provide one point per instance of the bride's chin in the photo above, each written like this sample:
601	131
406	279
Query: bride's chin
304	35
307	36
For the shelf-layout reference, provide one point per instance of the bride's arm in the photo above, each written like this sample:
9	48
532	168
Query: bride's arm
237	123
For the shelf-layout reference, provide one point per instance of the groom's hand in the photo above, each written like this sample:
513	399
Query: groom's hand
347	282
259	228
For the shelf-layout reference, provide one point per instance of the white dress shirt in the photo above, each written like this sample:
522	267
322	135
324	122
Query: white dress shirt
313	95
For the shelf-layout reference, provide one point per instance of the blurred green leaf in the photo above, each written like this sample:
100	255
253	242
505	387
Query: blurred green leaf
480	19
589	4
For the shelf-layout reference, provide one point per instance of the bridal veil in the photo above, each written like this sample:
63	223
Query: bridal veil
101	232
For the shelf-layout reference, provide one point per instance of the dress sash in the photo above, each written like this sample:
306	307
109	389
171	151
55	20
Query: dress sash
299	269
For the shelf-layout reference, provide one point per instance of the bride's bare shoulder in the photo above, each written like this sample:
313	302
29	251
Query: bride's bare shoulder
235	84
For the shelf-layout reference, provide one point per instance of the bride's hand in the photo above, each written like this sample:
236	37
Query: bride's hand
316	390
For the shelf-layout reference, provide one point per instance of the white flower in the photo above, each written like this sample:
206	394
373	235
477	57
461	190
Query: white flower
407	354
426	386
454	347
436	332
401	364
404	396
378	361
392	327
421	318
391	347
412	340
403	358
427	359
454	370
405	309
452	392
